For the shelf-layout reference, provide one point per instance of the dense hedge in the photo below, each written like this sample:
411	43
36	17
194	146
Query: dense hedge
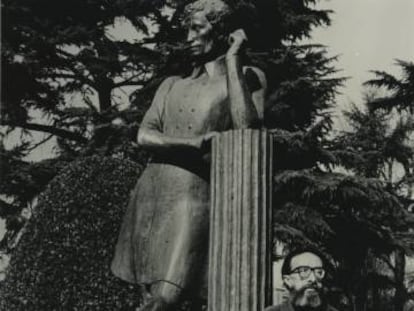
62	261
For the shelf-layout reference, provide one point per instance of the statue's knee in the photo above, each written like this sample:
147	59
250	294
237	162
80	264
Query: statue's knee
169	293
160	296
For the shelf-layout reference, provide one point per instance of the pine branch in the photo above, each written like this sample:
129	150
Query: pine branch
31	148
130	82
69	63
48	129
384	80
7	209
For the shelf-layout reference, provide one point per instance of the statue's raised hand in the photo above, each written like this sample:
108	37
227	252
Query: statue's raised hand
237	40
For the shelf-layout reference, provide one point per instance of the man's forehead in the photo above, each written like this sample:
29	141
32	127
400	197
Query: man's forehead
306	259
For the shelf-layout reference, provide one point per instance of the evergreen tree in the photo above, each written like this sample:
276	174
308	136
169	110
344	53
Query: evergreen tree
60	68
399	98
376	148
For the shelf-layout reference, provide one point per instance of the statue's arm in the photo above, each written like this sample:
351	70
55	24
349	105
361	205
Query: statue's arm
156	141
246	93
246	87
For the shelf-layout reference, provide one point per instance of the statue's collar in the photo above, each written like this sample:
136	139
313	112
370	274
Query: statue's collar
213	68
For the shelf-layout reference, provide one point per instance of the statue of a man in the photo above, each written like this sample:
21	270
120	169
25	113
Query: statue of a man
163	242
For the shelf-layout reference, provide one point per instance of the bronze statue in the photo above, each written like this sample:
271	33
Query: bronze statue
163	241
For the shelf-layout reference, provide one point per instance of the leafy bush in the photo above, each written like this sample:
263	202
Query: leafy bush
62	261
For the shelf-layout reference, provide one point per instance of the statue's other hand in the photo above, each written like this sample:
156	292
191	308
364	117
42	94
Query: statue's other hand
236	40
203	142
207	138
206	145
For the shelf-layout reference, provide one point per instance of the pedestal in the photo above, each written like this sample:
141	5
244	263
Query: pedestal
240	231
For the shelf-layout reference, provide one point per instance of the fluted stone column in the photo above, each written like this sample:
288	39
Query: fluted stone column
240	246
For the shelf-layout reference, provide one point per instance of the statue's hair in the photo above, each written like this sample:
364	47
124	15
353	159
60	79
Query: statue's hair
216	10
218	13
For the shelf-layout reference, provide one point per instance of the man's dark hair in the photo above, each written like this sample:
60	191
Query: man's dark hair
286	266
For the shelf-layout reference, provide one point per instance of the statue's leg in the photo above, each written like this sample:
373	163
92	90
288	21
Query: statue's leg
182	266
165	296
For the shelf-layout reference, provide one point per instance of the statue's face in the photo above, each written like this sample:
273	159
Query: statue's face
200	34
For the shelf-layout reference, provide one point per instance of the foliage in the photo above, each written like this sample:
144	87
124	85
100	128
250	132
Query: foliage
61	83
62	261
372	145
379	145
302	149
21	182
79	56
400	90
25	180
337	205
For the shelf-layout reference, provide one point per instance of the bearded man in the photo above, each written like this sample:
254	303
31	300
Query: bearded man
303	272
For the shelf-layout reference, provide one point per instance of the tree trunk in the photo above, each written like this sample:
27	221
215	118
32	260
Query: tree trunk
361	290
376	295
104	95
399	298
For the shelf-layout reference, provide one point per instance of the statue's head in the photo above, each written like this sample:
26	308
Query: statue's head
209	23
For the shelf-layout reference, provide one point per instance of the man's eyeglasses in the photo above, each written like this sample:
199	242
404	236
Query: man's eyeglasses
305	271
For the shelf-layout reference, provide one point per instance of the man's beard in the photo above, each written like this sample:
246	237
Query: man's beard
308	298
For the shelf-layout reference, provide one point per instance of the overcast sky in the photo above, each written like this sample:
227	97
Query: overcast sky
367	35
